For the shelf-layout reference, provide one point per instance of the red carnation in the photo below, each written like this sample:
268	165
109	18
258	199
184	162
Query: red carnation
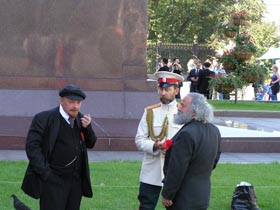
167	144
82	136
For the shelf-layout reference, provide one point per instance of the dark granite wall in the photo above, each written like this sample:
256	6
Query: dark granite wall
97	44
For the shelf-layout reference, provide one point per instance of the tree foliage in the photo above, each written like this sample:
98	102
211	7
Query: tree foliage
179	21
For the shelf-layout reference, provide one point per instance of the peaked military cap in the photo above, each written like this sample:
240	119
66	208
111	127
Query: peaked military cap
165	79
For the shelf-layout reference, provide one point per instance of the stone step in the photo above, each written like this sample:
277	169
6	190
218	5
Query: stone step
118	134
242	145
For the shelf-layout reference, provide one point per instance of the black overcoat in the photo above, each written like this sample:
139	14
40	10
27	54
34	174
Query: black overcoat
204	77
193	73
188	166
40	143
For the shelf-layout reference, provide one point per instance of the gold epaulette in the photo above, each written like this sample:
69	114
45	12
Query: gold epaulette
153	106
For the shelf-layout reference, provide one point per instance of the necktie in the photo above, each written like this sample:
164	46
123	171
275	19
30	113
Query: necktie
71	120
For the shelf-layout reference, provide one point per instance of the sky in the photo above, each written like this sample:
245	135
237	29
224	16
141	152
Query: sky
273	11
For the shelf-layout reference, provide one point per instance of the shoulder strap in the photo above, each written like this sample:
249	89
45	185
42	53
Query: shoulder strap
153	106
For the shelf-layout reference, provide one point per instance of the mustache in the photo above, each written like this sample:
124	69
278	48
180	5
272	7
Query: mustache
182	118
74	110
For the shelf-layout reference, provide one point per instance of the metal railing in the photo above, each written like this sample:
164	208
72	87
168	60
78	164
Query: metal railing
185	52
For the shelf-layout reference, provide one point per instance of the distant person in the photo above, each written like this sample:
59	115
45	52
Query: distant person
192	157
170	64
156	125
218	73
260	94
164	65
193	75
204	76
274	84
176	66
58	170
190	64
177	69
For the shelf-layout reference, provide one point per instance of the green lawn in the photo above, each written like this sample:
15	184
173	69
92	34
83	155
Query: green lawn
245	105
115	185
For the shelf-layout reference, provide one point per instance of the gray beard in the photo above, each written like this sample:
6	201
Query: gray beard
181	119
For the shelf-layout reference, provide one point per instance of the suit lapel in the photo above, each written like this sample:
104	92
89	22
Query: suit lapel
54	125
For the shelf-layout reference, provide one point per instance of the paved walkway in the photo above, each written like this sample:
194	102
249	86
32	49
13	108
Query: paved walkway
97	156
248	127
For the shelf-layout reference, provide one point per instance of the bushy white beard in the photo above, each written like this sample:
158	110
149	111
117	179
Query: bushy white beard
181	118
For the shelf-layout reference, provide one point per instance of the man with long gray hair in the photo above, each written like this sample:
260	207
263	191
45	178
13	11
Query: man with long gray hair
192	157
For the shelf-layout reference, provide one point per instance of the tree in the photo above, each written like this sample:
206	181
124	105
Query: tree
179	21
265	34
242	47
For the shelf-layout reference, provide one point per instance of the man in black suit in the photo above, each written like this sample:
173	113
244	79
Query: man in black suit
193	75
56	146
204	77
165	65
192	157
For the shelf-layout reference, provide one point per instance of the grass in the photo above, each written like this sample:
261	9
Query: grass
115	185
245	105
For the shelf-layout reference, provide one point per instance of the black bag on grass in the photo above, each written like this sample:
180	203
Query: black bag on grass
244	197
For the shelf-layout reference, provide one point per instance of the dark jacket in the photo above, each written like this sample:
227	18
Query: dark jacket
164	68
193	86
189	164
40	143
204	77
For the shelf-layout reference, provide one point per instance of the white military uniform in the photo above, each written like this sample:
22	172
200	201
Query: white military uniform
152	165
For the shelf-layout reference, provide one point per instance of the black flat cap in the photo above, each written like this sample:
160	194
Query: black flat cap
73	92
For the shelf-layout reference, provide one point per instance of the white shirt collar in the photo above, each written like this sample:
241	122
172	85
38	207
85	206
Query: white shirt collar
64	114
171	105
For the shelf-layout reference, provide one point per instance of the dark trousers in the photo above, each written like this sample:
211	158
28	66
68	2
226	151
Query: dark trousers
61	193
178	96
148	196
193	87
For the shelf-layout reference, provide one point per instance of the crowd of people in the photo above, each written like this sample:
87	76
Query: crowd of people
199	75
